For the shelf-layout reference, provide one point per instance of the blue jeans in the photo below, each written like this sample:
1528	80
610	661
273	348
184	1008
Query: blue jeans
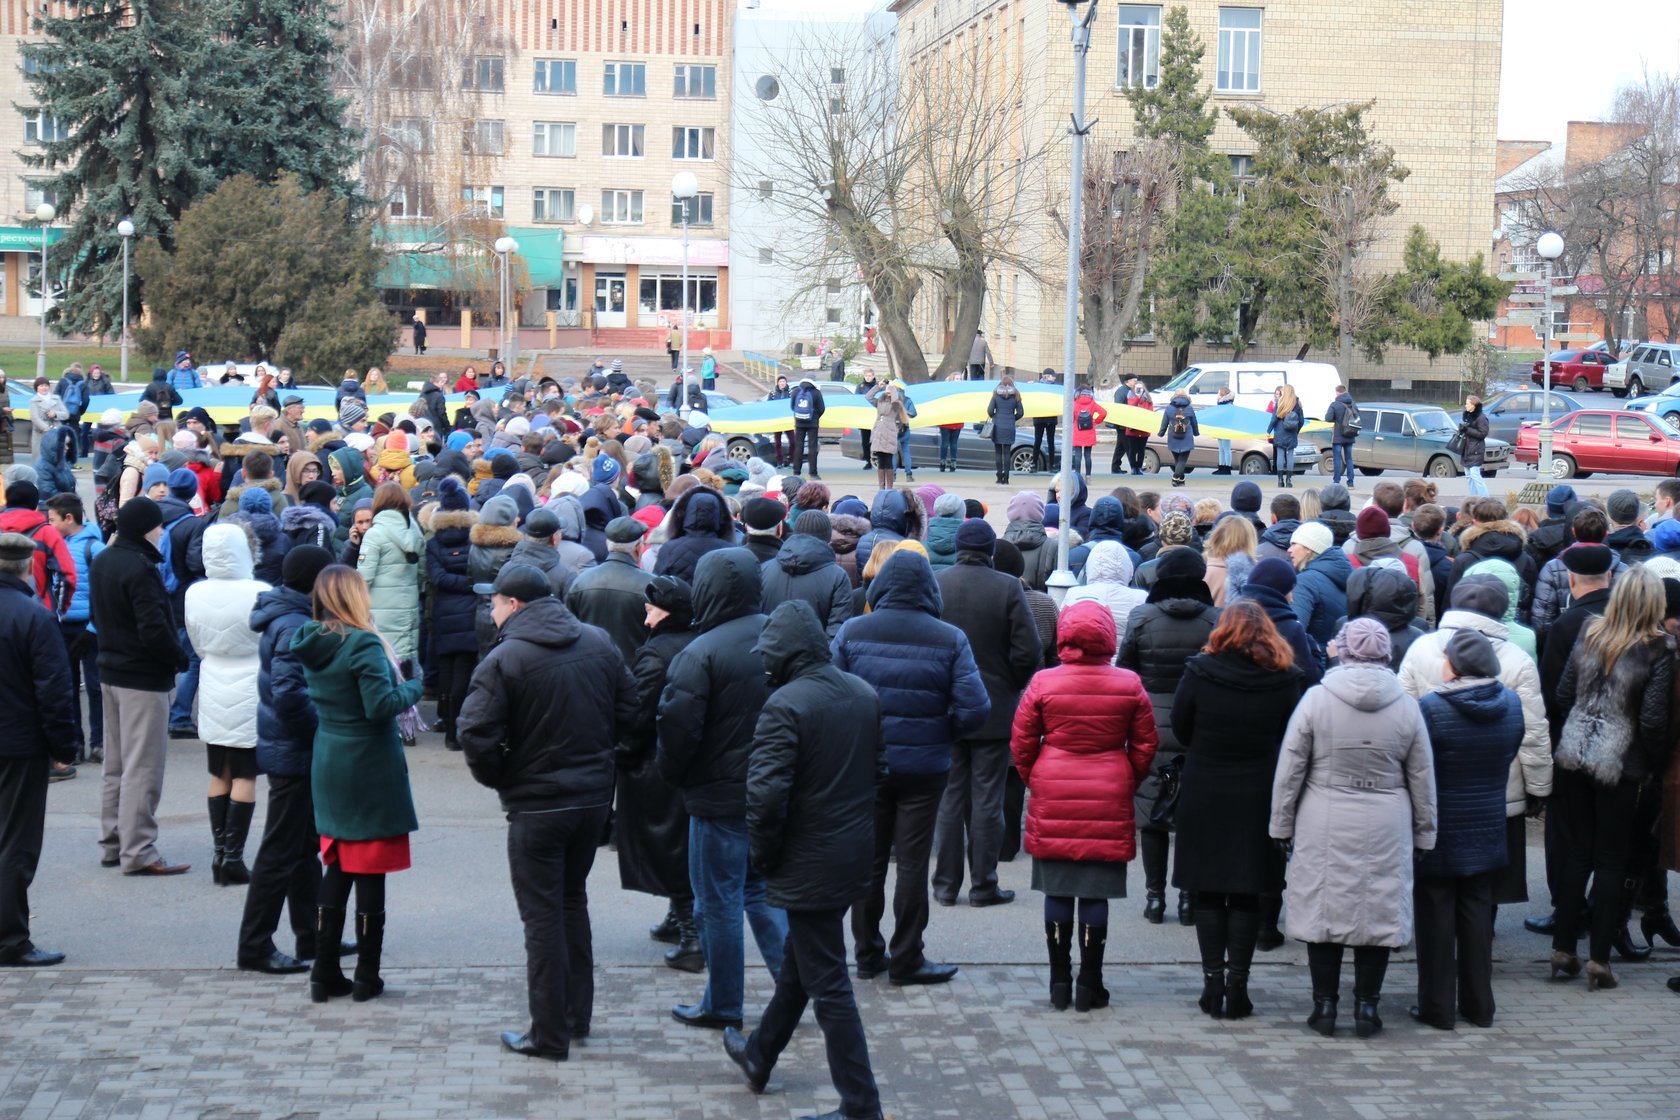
84	674
186	687
948	445
1224	452
1341	458
1285	459
901	460
724	885
1473	476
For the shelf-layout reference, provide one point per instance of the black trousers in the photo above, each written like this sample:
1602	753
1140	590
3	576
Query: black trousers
286	872
1153	846
906	807
549	857
1045	430
1646	884
23	820
1455	947
973	803
1595	826
814	968
1014	805
977	371
1324	961
1181	462
454	675
805	446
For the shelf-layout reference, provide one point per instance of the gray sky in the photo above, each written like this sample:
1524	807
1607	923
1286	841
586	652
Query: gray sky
1563	60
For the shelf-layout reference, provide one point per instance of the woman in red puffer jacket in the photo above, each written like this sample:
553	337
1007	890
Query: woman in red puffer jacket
1083	738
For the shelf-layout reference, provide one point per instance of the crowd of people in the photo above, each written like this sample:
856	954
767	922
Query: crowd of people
1309	720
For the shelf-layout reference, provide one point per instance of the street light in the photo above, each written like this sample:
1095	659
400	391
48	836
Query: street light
1550	247
44	213
506	344
125	230
684	188
1062	578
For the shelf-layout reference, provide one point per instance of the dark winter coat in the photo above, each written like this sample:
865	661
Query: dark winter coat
1339	408
1475	727
544	711
1038	550
1552	537
358	774
1286	436
1005	412
491	546
613	596
931	690
811	777
355	488
1473	427
989	607
1617	723
763	546
448	563
1161	637
806	569
1309	655
1082	741
1631	544
286	719
1341	523
894	515
1504	540
307	524
35	691
699	523
437	408
1225	800
845	532
942	541
1275	540
1388	595
542	556
272	545
1179	406
130	610
600	508
1321	593
651	825
715	689
1107	523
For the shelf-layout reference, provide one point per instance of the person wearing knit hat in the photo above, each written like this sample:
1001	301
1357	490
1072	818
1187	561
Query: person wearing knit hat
1025	506
185	440
183	484
1371	524
1322	578
458	440
604	471
1363	641
155	482
568	482
814	523
254	499
318	493
359	440
352	415
975	535
139	654
1312	537
849	506
1177	531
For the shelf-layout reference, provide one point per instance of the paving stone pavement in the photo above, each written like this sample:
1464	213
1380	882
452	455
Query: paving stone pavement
222	1045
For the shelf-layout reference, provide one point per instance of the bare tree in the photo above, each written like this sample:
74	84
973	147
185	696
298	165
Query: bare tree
1353	208
1653	106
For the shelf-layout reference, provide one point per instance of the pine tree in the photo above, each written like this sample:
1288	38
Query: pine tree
165	99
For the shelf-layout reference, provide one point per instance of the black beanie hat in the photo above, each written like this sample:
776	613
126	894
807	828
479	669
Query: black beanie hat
302	565
137	517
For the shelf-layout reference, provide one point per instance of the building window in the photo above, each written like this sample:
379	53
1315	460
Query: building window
1140	46
553	204
412	134
625	79
413	73
663	292
411	200
36	192
33	65
41	127
621	208
833	316
696	81
766	188
487	202
1242	175
837	75
553	138
483	74
836	105
484	138
767	256
1239	51
621	141
555	75
689	142
699	210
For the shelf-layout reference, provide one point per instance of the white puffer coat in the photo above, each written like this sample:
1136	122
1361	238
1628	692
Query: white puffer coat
218	622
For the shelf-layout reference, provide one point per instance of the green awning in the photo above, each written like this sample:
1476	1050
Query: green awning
540	248
412	261
408	269
14	239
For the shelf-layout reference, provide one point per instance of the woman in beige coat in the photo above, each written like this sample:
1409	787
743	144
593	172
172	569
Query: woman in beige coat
1355	796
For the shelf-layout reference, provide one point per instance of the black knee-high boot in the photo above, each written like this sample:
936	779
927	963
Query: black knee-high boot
1212	935
1152	851
1243	932
1088	991
1058	939
1324	961
686	955
1370	965
218	833
326	978
370	933
238	830
1271	937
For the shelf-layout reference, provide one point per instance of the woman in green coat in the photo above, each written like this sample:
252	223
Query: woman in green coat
392	551
363	808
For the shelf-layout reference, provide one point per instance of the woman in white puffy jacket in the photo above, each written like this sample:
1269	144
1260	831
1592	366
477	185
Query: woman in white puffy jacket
218	622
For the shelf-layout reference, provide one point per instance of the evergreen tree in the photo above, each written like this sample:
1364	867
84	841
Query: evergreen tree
1434	303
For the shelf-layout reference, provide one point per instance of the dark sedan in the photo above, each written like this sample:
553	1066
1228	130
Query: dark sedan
1506	412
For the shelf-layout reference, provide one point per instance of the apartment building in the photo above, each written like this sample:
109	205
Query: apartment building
1431	68
21	191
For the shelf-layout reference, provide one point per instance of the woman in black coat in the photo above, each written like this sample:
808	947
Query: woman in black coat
1473	430
454	607
651	827
1225	856
1005	410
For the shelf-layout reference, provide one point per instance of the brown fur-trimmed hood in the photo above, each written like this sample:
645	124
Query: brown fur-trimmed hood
493	536
436	520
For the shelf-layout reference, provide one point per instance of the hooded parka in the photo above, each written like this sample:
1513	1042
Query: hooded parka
218	613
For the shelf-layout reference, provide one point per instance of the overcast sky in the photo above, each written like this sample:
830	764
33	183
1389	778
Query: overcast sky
1563	59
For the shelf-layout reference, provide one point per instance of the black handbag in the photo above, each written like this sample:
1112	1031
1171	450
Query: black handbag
1169	783
1456	443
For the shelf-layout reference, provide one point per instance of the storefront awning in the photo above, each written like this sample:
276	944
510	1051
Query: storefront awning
655	250
22	239
540	247
414	263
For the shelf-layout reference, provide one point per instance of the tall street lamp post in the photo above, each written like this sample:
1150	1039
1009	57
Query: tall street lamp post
125	229
44	213
684	188
506	340
1550	247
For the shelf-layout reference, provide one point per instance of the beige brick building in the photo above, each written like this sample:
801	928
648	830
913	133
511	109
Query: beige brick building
1431	67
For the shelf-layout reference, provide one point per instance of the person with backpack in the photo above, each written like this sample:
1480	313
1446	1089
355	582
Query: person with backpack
1179	425
1284	430
74	390
55	571
65	513
807	404
1087	414
182	376
1343	417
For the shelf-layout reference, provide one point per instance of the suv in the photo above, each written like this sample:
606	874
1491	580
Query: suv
1649	365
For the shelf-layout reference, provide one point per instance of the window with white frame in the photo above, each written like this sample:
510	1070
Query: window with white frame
488	202
625	79
553	204
1140	46
483	74
35	192
663	292
621	141
411	200
699	210
555	75
485	138
691	142
41	127
553	138
1239	51
412	134
621	208
1242	176
696	81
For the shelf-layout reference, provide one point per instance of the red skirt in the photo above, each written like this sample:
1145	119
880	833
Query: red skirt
367	857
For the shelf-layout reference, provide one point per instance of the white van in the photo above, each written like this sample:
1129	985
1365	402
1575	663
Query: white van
1254	382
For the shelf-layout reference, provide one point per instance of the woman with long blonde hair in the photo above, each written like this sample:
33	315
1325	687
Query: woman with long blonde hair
1229	552
1285	431
364	809
1614	739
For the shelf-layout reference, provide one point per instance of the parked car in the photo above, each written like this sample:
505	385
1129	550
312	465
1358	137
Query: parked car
1254	383
1580	370
743	447
1665	404
1648	365
1248	456
973	453
1604	440
1408	437
1509	411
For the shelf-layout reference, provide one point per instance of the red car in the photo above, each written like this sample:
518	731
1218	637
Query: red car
1579	370
1603	440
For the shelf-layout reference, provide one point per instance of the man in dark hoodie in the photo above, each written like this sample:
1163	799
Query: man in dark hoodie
1553	535
1383	590
311	520
600	504
1626	537
895	515
1344	420
433	397
707	715
699	523
1108	523
539	724
1336	511
806	569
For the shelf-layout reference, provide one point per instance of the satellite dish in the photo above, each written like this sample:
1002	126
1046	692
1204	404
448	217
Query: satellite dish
586	214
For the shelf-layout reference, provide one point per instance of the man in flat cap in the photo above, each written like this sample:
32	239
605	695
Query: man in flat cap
613	594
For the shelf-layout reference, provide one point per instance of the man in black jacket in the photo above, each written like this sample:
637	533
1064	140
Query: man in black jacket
713	696
613	594
807	404
991	609
139	654
810	824
806	569
36	696
538	726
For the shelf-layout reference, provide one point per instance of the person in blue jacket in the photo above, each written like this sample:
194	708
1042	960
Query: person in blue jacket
66	513
1321	578
182	376
1178	424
